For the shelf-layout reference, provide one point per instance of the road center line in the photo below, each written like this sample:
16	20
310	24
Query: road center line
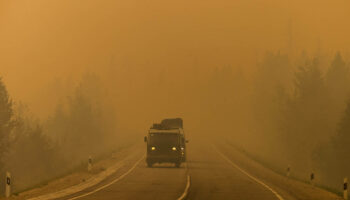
188	184
250	176
114	181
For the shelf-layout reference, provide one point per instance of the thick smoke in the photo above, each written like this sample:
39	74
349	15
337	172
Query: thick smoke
92	75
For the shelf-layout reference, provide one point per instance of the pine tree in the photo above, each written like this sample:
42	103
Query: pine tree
335	154
338	68
6	118
307	122
342	140
272	79
338	85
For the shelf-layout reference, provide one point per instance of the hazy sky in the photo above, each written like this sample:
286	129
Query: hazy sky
45	39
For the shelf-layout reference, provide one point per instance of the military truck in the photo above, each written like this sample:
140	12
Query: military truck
164	146
173	123
176	123
160	134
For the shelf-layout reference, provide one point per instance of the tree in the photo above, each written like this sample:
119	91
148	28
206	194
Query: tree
273	74
307	122
84	124
332	157
338	85
32	157
270	89
342	140
6	118
338	71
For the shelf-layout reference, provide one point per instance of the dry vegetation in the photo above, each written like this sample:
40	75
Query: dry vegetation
35	152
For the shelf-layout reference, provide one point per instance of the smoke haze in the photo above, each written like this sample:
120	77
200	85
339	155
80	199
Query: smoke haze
221	65
41	40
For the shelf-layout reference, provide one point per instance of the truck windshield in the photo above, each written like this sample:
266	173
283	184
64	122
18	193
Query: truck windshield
164	139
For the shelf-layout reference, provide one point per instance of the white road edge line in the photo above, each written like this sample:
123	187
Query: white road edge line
188	184
250	176
114	181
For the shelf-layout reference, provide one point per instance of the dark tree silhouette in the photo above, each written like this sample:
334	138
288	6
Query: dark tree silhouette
338	85
270	85
6	118
307	122
342	140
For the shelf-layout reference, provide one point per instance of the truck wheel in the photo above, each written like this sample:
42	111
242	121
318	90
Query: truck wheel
149	164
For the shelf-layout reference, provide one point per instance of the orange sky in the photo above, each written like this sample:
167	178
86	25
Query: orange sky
41	39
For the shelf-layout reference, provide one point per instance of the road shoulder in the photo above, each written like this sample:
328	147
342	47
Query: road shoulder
289	188
80	179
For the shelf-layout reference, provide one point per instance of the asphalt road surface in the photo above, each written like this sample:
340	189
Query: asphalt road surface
212	177
137	181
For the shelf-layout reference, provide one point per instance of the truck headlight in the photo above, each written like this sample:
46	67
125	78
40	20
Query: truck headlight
174	148
153	148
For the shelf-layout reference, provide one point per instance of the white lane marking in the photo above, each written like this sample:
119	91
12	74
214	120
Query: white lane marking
83	185
109	184
250	176
183	196
188	184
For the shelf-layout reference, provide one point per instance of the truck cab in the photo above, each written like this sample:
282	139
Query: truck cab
175	123
165	146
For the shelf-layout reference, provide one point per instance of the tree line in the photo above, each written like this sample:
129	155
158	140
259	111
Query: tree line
292	113
36	151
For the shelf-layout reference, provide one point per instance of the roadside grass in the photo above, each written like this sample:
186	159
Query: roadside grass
276	169
45	182
77	168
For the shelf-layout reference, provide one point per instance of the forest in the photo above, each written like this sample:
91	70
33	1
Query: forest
36	151
287	113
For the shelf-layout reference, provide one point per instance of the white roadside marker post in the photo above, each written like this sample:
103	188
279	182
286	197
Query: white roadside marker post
312	178
345	188
8	185
90	164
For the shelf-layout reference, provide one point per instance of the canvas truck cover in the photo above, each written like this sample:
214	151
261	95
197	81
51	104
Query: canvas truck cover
172	123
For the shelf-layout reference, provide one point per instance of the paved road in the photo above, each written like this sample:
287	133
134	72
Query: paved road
161	182
212	177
